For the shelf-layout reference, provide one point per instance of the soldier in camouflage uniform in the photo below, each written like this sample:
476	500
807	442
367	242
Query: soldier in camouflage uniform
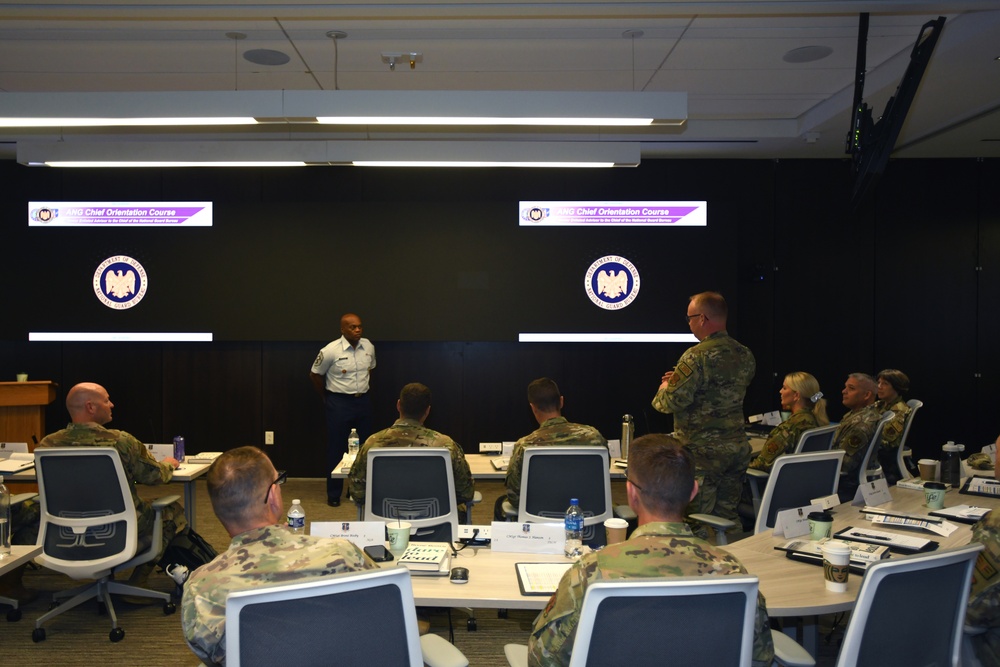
801	395
984	600
856	430
892	385
89	408
661	483
705	394
262	552
546	405
414	405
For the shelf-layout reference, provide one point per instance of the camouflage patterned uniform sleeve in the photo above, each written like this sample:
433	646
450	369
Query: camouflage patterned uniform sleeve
783	439
683	385
264	556
892	432
357	478
140	464
513	478
465	486
984	601
554	630
854	434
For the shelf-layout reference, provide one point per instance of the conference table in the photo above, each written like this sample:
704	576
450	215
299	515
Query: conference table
791	588
185	474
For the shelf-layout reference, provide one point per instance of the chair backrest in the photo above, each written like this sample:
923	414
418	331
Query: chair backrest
414	484
910	611
819	439
7	448
88	522
914	405
552	475
795	480
873	446
717	629
366	618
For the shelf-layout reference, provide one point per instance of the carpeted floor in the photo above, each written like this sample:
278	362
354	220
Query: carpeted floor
152	639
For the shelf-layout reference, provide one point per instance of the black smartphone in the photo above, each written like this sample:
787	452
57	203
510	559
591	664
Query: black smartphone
378	553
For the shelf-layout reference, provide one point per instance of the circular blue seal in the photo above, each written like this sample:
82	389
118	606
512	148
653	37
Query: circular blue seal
612	282
120	282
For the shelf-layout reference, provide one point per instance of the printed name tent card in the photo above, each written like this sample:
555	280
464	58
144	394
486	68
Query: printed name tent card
529	538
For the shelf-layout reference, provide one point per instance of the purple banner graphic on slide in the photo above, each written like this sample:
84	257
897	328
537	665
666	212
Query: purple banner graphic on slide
612	213
125	214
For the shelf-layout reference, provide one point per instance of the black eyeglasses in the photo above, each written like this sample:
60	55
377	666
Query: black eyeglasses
632	482
695	315
282	476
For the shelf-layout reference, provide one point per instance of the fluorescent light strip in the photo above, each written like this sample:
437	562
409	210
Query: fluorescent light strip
118	336
606	338
481	120
477	163
123	122
123	163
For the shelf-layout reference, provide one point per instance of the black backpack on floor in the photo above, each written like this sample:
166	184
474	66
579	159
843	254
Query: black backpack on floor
189	549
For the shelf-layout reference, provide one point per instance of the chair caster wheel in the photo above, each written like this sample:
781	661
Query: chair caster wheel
471	625
169	608
38	635
116	635
14	615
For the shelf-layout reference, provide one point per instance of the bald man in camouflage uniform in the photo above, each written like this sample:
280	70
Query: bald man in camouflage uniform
414	405
660	484
705	394
546	405
263	550
89	408
984	600
856	429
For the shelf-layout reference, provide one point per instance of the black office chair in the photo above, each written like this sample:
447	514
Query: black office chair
910	611
364	618
414	484
552	475
89	529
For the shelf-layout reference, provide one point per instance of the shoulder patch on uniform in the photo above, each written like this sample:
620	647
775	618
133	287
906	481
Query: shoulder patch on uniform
319	359
684	369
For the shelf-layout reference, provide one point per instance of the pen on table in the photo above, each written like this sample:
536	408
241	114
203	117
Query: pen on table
871	537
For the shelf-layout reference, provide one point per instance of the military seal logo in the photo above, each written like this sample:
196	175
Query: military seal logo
612	282
120	282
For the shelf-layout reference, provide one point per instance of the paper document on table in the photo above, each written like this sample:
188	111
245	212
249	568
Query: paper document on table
16	461
540	578
942	528
963	513
894	541
500	462
983	486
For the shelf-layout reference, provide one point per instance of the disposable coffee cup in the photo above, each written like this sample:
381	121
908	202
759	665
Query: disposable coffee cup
934	495
615	529
820	525
836	565
399	535
22	377
928	469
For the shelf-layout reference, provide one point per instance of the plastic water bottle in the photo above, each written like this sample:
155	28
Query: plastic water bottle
179	448
4	520
951	465
574	530
297	518
353	443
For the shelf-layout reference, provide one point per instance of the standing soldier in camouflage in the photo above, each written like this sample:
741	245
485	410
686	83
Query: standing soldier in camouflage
89	409
263	550
856	430
661	482
705	394
546	405
414	405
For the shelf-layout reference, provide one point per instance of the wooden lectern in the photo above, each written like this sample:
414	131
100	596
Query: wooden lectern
22	415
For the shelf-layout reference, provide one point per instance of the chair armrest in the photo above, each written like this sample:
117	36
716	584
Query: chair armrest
717	523
21	497
510	511
517	655
477	498
789	653
759	474
439	652
161	502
